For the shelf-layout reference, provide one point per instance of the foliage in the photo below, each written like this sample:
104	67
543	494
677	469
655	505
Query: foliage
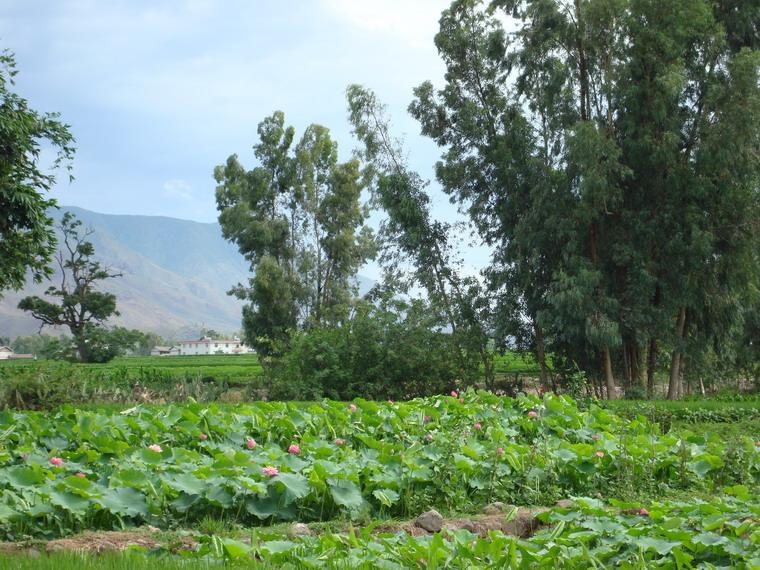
49	384
671	534
389	349
607	152
81	308
411	236
364	458
103	345
298	219
27	240
41	345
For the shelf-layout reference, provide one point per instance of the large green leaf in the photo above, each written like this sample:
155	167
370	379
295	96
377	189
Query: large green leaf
345	493
125	501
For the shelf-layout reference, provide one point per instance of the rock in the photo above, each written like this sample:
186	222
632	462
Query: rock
565	504
299	529
431	521
524	524
495	508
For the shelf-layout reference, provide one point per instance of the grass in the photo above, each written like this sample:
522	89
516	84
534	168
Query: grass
109	561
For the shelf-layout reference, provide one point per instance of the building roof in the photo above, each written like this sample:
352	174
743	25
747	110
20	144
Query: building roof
6	349
216	340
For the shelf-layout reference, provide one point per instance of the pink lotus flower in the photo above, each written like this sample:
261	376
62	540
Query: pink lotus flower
599	453
56	461
477	425
532	414
499	451
427	419
429	437
270	471
643	512
203	437
155	447
339	441
353	408
250	443
454	394
80	475
294	449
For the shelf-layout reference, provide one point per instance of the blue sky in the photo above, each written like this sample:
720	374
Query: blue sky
158	93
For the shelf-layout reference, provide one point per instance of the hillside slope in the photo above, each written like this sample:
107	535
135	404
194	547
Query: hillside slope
176	274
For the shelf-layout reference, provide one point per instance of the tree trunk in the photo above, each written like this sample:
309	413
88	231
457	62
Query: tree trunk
541	356
651	364
609	379
675	359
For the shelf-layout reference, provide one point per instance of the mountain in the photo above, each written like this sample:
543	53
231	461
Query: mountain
176	274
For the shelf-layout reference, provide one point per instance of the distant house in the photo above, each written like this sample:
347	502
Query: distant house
6	353
165	351
212	346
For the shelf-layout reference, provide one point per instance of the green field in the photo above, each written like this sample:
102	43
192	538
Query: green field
225	482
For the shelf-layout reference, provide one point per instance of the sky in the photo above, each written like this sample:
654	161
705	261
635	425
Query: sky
158	93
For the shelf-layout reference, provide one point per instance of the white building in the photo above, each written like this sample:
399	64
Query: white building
6	352
212	346
165	351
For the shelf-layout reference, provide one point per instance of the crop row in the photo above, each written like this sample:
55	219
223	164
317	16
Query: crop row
171	465
724	533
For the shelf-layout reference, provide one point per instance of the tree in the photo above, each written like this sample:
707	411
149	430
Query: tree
27	239
298	219
411	235
607	150
81	307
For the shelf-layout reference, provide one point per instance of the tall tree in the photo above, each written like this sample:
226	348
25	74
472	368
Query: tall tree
298	219
27	238
411	235
80	307
598	149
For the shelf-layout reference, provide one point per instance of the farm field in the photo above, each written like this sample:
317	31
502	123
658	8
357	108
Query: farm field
49	383
227	482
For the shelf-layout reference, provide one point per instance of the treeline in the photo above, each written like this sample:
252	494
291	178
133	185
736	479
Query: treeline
607	153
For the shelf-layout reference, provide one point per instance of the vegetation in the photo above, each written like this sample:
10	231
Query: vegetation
81	308
623	119
27	240
297	218
48	384
78	469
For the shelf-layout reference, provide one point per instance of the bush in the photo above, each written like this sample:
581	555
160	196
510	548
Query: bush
389	350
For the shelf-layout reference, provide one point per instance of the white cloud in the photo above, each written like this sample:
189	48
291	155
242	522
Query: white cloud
178	188
414	23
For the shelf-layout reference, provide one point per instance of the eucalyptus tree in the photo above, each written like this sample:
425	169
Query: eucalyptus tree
608	151
298	219
27	238
410	235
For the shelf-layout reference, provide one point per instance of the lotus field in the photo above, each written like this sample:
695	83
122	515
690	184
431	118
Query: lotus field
258	464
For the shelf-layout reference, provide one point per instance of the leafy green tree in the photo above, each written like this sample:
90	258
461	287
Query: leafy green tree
298	218
27	239
388	348
80	307
410	235
607	151
37	344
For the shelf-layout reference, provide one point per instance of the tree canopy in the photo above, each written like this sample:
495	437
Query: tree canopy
298	219
80	306
27	239
607	150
